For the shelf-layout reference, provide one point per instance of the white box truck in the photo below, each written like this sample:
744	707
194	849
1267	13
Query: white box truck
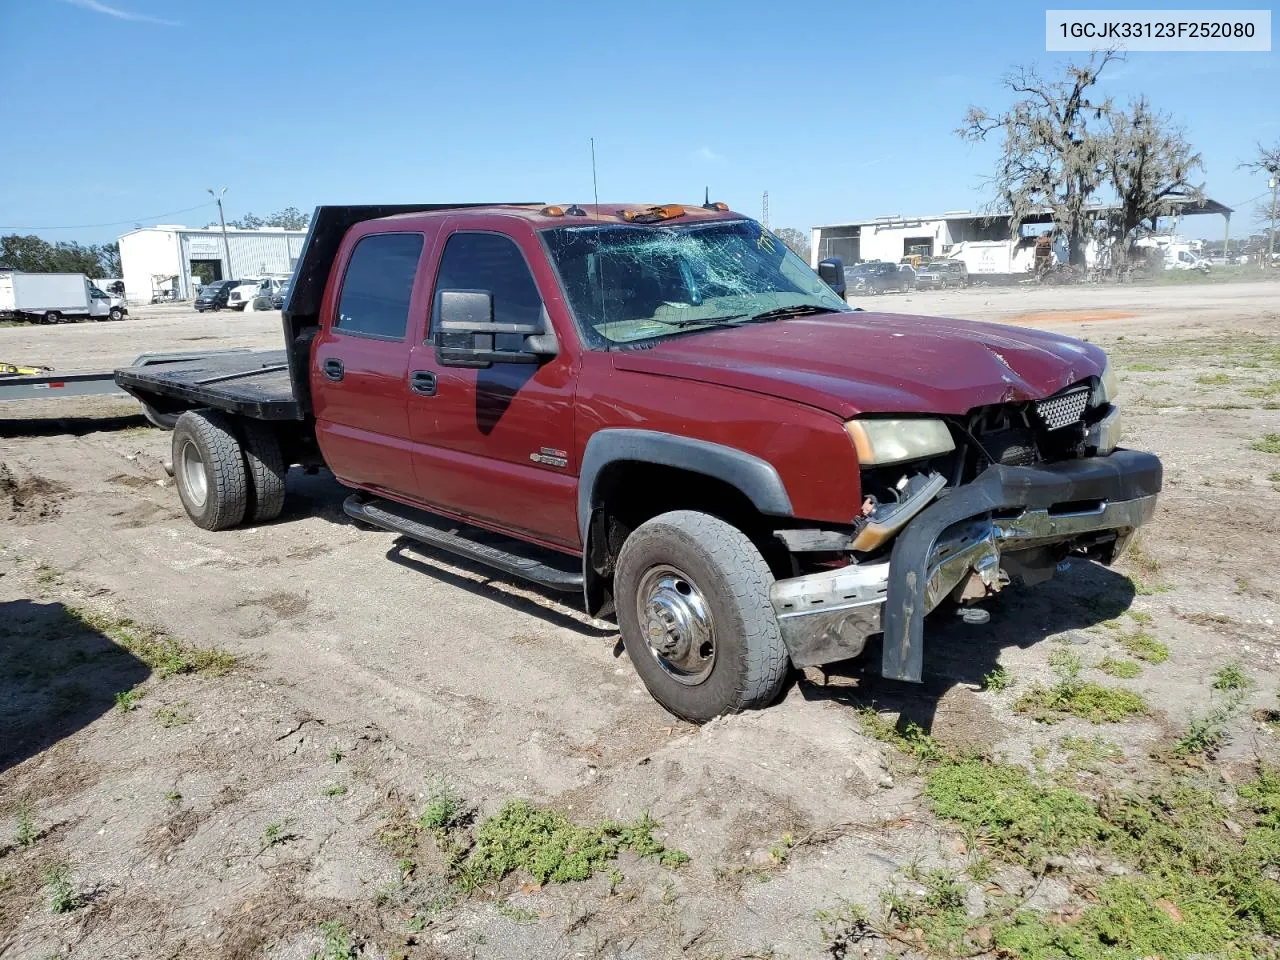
54	297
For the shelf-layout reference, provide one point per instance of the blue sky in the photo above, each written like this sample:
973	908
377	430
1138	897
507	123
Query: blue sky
120	110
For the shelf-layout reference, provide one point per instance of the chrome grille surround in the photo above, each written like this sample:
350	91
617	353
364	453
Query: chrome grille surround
1063	409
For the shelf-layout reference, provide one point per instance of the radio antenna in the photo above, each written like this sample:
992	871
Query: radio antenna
595	193
595	189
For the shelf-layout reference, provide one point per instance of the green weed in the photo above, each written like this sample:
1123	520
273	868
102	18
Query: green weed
1232	677
843	926
337	942
1213	379
127	700
912	740
1204	734
1085	699
442	807
173	716
552	849
1268	444
276	833
1144	646
59	889
1124	669
335	790
25	833
997	680
1090	753
932	903
521	915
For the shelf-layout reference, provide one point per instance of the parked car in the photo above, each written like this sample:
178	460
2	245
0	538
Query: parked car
706	442
214	296
876	276
941	274
908	273
241	295
271	294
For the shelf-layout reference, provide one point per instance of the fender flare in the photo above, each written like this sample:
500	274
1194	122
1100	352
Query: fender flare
755	478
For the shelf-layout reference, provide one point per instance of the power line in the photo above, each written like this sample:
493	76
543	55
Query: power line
116	223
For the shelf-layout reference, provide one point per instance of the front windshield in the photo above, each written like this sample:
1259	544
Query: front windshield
627	284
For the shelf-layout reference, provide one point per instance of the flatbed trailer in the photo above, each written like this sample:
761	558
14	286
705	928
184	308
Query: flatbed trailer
249	383
48	384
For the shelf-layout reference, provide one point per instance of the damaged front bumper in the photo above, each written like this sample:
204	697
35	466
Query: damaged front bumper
962	543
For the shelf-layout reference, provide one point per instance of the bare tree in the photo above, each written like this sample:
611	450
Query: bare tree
1150	165
1051	158
1268	161
797	240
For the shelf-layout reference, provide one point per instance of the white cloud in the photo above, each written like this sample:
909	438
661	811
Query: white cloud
707	155
119	14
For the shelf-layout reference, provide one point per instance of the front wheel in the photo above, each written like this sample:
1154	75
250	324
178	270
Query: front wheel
116	314
692	594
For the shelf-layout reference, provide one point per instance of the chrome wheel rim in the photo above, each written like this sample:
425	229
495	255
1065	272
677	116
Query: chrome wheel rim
676	622
193	478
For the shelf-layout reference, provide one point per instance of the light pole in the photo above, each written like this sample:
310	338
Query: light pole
226	246
1271	239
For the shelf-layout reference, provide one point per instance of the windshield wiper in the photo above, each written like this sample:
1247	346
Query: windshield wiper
694	321
799	310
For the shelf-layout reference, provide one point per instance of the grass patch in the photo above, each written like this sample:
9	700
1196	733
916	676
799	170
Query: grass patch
1124	669
276	833
997	680
1268	444
1213	379
165	654
912	740
1146	368
552	849
1144	646
335	790
1232	677
843	927
1080	698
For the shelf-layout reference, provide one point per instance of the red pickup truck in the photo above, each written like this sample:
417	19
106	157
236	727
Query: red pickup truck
663	408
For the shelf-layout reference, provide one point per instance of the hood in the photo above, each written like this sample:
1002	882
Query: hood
854	363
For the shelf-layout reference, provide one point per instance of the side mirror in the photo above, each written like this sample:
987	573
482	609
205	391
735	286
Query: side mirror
831	272
467	336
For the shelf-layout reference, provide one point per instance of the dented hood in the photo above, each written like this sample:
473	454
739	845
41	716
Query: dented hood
854	363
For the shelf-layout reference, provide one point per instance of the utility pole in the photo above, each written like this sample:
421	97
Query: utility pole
764	213
226	246
1271	239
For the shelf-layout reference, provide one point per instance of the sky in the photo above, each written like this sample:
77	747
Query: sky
124	112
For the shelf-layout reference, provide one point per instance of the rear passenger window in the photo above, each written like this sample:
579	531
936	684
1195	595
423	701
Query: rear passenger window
378	285
488	261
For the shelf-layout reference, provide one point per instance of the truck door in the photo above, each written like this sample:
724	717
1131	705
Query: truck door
359	361
496	443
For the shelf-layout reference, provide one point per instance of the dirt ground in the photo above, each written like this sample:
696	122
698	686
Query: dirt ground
233	813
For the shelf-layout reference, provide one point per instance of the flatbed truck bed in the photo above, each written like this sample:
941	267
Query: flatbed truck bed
254	384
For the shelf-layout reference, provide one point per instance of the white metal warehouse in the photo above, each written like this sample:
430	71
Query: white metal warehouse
164	256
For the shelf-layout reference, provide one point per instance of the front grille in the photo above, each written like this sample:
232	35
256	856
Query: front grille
1063	409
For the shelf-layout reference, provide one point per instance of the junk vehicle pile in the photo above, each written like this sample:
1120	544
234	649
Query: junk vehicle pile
663	409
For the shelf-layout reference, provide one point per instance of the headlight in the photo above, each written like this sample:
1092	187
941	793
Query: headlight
890	441
1108	388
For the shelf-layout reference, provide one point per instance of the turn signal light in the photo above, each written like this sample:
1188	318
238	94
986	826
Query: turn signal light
552	211
653	214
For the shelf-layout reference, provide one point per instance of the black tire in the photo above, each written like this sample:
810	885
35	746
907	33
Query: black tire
52	316
266	469
115	314
165	421
722	569
205	445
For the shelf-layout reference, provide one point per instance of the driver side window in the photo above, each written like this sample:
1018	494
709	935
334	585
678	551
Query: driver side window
489	261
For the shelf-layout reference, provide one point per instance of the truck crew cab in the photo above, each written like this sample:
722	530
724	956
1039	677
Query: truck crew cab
664	409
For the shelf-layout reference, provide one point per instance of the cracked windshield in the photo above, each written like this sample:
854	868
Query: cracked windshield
628	284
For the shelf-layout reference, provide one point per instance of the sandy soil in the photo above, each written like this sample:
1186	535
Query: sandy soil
371	670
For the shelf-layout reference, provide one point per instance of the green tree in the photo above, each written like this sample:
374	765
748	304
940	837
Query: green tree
1051	154
109	259
797	240
32	254
290	218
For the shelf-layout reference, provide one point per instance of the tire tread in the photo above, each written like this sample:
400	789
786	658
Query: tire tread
265	469
228	494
